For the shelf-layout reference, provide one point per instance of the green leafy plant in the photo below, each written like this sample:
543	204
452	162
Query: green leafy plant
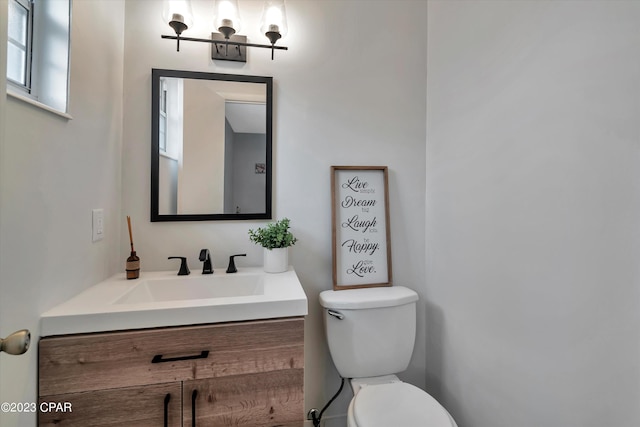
274	235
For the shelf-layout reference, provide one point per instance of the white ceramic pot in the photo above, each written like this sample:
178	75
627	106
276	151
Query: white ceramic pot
276	260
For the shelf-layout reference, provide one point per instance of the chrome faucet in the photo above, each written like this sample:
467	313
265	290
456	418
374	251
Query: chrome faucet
205	257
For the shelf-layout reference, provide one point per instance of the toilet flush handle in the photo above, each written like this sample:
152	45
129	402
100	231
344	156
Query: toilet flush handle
336	314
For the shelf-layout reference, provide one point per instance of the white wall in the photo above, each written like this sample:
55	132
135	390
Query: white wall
347	92
53	172
532	232
202	151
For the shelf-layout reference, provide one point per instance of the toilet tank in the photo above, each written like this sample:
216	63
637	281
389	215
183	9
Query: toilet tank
370	331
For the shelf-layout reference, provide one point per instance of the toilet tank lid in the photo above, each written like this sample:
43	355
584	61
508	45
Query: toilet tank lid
359	299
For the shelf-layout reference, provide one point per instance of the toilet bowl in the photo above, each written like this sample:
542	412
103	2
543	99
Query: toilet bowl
395	404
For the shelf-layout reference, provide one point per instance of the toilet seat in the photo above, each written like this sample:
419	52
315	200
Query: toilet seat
398	404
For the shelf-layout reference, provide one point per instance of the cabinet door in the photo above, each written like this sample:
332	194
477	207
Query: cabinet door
152	406
272	398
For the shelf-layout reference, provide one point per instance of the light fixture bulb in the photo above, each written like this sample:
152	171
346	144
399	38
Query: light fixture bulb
274	20
177	13
226	17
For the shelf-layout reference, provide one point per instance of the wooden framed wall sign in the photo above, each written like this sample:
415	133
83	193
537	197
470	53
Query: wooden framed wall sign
360	220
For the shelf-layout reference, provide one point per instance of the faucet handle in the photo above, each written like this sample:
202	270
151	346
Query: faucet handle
184	268
232	265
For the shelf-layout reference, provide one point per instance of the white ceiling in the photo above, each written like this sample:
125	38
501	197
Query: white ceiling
246	117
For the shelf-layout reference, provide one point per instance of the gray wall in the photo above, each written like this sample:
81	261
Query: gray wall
249	187
533	207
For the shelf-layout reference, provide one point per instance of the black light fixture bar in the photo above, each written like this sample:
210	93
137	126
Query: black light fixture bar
223	42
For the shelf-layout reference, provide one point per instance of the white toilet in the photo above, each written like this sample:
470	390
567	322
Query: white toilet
371	333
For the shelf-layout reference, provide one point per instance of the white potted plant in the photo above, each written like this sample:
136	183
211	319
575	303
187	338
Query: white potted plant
275	238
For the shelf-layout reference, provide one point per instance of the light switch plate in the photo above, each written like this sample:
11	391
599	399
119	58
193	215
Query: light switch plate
97	216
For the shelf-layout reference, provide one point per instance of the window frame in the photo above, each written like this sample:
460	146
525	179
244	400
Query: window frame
49	85
162	136
25	88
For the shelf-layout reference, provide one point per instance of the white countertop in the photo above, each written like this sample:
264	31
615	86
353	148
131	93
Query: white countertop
96	310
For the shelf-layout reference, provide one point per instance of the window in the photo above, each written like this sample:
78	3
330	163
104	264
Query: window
163	118
19	44
38	52
170	117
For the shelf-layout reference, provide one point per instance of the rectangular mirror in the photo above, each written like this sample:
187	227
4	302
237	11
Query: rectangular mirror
211	146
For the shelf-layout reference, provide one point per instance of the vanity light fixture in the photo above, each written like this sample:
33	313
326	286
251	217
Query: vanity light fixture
226	43
177	13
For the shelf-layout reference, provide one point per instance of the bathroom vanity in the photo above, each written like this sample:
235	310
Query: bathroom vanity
240	372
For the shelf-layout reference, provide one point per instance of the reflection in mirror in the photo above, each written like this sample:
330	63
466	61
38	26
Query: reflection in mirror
211	150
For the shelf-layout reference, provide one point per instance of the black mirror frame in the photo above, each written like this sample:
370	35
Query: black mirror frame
155	141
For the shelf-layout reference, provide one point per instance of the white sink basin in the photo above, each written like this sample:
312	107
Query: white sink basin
162	298
192	288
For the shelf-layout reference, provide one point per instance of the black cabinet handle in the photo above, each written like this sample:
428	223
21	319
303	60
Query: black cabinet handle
167	398
194	395
158	358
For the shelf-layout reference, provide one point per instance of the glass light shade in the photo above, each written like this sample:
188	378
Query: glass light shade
226	18
274	19
177	13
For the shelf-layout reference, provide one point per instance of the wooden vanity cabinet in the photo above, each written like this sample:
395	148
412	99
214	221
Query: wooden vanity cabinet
230	374
266	399
151	405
